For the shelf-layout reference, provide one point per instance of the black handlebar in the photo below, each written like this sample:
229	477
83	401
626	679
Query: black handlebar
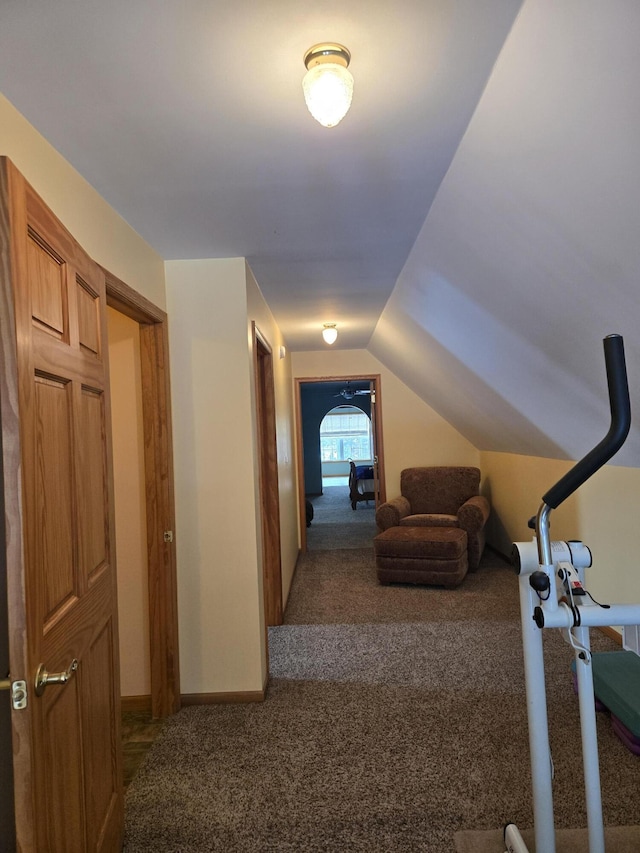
618	431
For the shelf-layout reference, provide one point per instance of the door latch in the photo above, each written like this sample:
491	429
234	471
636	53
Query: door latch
18	692
168	536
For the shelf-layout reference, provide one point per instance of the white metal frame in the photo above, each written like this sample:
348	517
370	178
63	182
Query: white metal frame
553	595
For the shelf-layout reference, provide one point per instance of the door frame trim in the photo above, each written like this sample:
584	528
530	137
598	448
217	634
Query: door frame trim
159	491
268	478
299	380
11	183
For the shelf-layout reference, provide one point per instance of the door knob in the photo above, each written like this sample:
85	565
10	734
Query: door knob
43	678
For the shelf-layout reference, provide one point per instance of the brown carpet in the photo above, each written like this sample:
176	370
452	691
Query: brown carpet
395	717
618	839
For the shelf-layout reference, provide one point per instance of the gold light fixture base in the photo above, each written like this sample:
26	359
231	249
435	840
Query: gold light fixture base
327	52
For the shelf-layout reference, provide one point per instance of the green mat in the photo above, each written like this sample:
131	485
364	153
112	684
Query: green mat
616	683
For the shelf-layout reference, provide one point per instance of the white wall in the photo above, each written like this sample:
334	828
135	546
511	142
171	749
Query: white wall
530	255
217	531
222	647
413	433
113	243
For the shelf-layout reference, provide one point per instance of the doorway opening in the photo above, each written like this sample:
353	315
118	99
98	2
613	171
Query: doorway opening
346	434
318	462
159	510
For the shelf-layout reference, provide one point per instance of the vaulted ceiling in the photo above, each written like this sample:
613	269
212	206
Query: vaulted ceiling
473	221
530	253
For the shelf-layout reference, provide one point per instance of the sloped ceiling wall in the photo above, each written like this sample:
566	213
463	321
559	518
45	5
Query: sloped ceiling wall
530	254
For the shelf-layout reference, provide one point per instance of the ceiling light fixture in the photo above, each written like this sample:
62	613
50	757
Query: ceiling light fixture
329	333
327	85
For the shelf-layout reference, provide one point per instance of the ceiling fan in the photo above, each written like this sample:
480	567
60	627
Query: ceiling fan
349	393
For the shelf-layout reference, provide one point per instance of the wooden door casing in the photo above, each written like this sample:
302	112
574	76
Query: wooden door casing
374	436
269	491
159	491
62	594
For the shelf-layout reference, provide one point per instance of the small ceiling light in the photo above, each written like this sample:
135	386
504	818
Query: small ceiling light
329	333
327	85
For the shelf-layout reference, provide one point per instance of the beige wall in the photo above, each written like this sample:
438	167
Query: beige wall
115	245
413	433
217	530
212	305
602	513
258	311
222	640
130	505
218	537
99	229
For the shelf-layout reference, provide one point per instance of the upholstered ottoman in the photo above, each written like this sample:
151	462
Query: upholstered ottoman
430	555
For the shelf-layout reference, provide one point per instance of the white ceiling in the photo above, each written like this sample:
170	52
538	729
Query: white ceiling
530	254
474	221
188	118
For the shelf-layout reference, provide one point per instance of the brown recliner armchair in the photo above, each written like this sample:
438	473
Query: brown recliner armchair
440	497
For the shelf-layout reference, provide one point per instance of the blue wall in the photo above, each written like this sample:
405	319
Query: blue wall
316	399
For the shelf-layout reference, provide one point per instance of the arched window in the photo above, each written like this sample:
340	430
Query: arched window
345	433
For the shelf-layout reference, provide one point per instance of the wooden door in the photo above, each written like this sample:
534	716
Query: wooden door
7	813
269	493
59	501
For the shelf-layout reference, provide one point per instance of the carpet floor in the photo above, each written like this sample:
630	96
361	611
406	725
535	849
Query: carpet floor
336	525
395	718
617	839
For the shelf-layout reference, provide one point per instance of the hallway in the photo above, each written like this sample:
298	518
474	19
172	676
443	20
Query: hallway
336	525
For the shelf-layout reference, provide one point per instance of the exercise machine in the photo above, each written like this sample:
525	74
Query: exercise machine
553	595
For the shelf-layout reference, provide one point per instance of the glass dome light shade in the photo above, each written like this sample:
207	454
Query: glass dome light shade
328	89
330	334
328	86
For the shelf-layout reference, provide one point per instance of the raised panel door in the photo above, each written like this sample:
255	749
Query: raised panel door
62	596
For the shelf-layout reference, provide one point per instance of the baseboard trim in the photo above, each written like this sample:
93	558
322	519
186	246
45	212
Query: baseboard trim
131	704
612	634
223	698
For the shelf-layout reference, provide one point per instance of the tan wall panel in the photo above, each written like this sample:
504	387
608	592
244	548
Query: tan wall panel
603	513
217	526
131	533
107	238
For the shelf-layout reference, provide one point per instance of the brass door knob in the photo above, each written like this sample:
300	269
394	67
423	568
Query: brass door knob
44	678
